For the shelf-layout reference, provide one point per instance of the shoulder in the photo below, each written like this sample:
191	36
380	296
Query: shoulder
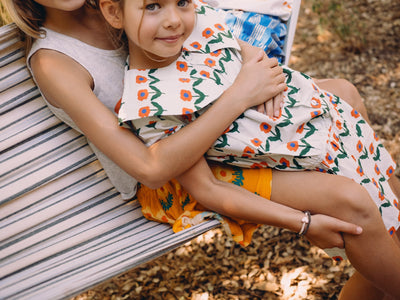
56	73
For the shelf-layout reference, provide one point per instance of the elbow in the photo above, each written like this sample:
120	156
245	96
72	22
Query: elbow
152	176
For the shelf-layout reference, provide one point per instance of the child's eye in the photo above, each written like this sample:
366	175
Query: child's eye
152	6
183	3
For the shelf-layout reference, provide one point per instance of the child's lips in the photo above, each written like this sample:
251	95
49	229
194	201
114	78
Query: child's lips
170	39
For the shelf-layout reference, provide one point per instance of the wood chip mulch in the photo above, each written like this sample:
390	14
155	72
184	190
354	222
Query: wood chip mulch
278	265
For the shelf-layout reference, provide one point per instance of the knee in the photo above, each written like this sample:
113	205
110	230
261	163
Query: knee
354	203
350	93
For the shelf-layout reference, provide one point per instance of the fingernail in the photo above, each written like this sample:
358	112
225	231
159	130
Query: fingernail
277	113
359	230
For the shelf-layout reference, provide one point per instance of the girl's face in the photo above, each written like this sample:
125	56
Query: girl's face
63	5
158	28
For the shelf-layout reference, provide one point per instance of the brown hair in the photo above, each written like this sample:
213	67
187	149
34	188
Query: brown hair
29	16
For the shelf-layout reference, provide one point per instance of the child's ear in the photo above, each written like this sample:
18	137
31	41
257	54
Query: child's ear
112	13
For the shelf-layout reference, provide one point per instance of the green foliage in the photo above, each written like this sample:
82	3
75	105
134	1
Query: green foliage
341	17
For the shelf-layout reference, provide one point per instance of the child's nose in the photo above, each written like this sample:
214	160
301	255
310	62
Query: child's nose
172	18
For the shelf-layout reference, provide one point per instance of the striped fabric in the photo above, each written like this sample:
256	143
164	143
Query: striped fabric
63	227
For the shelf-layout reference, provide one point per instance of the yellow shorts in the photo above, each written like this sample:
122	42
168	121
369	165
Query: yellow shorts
172	204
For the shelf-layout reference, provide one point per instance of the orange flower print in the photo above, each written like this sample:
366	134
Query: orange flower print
316	113
184	80
186	95
256	166
392	230
208	32
355	113
170	130
196	45
209	62
300	128
181	66
396	204
219	27
265	127
376	137
337	258
293	146
187	111
256	142
328	158
335	146
247	152
284	162
205	74
336	137
315	103
315	88
216	53
117	106
144	111
371	148
360	171
140	79
359	146
381	196
338	124
390	171
377	171
142	94
374	182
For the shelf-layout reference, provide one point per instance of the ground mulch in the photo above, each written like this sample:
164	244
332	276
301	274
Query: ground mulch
278	265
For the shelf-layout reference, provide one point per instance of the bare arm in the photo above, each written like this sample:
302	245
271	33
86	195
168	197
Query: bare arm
234	201
68	86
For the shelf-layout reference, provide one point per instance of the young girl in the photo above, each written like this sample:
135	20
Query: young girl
315	130
72	36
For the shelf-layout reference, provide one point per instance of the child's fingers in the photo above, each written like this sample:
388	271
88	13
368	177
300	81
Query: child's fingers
350	228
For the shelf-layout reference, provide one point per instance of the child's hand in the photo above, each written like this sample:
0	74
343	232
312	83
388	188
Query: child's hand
326	231
260	80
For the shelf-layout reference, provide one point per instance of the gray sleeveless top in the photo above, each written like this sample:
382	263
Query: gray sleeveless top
107	70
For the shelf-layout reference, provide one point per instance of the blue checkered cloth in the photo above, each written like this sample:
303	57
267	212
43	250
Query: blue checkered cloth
264	31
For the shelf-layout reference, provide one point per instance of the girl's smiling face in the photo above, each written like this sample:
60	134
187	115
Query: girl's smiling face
157	29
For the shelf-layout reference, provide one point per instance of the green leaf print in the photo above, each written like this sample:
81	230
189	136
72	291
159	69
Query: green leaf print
277	135
377	156
365	154
288	75
166	205
307	148
217	40
157	92
267	146
159	108
310	129
365	181
217	78
200	96
305	75
235	127
186	202
201	10
223	141
238	176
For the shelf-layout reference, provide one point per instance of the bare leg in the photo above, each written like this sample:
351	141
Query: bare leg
357	287
373	253
345	90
